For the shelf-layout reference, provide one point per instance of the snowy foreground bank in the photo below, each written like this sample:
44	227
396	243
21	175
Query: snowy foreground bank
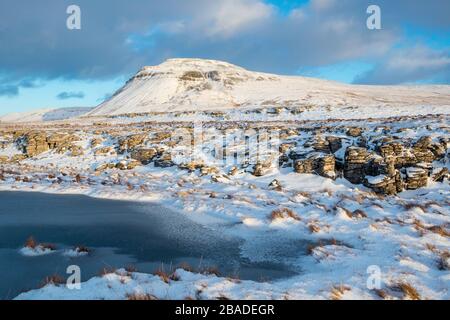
399	235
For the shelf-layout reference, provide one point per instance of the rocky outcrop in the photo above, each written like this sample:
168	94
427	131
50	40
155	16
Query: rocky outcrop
35	143
317	163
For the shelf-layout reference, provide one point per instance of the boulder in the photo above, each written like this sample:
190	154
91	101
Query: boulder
355	163
144	156
384	184
318	163
416	178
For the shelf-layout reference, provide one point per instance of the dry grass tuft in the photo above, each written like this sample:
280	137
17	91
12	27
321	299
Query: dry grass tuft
83	249
283	213
440	230
338	291
314	228
359	214
164	276
107	270
356	214
409	292
410	206
211	271
381	293
53	280
323	242
31	243
140	296
130	268
186	267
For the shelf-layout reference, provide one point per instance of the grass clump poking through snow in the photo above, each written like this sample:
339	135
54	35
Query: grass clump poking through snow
337	292
211	271
283	213
164	276
30	243
33	248
53	280
107	270
409	292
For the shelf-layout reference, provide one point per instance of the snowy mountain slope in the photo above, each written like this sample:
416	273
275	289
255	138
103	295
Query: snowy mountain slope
45	115
196	84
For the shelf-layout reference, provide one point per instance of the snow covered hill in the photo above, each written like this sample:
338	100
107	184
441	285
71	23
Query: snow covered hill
194	85
45	115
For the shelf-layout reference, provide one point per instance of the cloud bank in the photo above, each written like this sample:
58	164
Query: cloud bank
118	37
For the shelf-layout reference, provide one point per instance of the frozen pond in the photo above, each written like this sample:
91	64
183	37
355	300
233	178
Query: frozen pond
120	233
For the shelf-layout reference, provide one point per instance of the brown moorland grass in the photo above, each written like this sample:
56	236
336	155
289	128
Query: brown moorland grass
283	213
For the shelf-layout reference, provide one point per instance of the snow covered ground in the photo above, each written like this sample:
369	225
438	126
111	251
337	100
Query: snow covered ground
352	230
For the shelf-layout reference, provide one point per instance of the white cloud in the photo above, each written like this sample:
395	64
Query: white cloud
320	5
230	17
409	65
420	57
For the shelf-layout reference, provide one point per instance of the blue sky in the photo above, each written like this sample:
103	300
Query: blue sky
45	65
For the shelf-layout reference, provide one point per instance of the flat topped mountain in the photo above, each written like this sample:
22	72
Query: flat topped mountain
196	84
